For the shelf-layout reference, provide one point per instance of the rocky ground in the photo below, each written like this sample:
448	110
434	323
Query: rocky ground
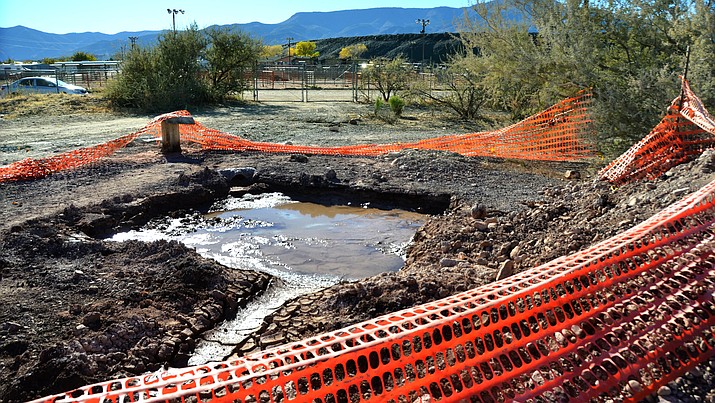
77	309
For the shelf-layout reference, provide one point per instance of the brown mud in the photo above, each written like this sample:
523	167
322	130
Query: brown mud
77	309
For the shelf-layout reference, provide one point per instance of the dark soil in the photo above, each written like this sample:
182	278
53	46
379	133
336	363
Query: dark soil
77	309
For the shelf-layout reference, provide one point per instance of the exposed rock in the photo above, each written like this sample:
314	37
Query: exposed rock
92	320
664	391
506	269
298	158
571	174
243	174
330	175
480	225
10	327
447	262
478	211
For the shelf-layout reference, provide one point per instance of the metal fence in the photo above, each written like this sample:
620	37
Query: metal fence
303	82
274	82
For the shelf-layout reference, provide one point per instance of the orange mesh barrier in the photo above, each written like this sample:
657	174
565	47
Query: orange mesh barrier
683	133
30	168
556	134
620	318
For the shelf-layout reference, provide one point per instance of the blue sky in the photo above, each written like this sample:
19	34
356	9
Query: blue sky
137	15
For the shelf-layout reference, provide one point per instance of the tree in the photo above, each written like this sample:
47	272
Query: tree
702	45
163	78
82	56
388	76
269	52
465	93
352	52
185	68
306	49
628	53
138	82
178	65
231	57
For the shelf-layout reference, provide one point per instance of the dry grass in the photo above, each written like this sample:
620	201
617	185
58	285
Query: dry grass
20	105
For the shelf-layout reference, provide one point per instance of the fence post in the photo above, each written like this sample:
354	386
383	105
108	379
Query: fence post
256	72
170	136
355	82
303	90
57	83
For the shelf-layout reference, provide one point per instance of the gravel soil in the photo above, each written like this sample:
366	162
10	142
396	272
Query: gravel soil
78	309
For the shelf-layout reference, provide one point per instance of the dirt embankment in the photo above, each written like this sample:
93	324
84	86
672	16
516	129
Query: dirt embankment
77	308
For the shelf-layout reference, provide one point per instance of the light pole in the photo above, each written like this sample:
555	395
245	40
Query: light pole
424	25
290	38
173	16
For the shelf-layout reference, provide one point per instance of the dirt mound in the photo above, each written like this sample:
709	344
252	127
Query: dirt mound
472	245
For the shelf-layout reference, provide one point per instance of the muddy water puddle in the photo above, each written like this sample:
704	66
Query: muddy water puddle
306	246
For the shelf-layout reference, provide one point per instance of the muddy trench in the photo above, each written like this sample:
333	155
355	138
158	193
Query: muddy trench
126	308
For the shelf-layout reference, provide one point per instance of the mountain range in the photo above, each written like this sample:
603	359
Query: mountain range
23	44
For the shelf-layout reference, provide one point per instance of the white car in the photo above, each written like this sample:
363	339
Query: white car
41	85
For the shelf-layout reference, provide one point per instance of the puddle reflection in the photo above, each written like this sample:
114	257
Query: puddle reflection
308	246
273	233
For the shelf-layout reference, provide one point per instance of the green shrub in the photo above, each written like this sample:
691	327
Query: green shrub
163	78
388	75
379	104
382	111
231	56
186	68
82	56
397	104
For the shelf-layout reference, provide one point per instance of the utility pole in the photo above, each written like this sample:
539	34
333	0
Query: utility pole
133	39
424	25
290	38
173	16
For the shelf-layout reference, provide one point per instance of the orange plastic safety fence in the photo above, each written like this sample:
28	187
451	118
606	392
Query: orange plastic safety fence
620	318
685	131
556	134
30	168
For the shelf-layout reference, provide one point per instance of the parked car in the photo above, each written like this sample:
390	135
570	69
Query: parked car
42	85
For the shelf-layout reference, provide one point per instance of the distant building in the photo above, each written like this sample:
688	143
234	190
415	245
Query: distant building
71	67
10	70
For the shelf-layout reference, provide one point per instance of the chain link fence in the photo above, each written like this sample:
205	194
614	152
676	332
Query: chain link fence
304	82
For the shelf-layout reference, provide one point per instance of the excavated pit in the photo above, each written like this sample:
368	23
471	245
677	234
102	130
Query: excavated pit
305	246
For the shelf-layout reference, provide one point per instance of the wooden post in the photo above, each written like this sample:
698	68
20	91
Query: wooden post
170	138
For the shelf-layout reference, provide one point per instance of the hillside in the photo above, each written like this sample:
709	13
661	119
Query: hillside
437	47
22	43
